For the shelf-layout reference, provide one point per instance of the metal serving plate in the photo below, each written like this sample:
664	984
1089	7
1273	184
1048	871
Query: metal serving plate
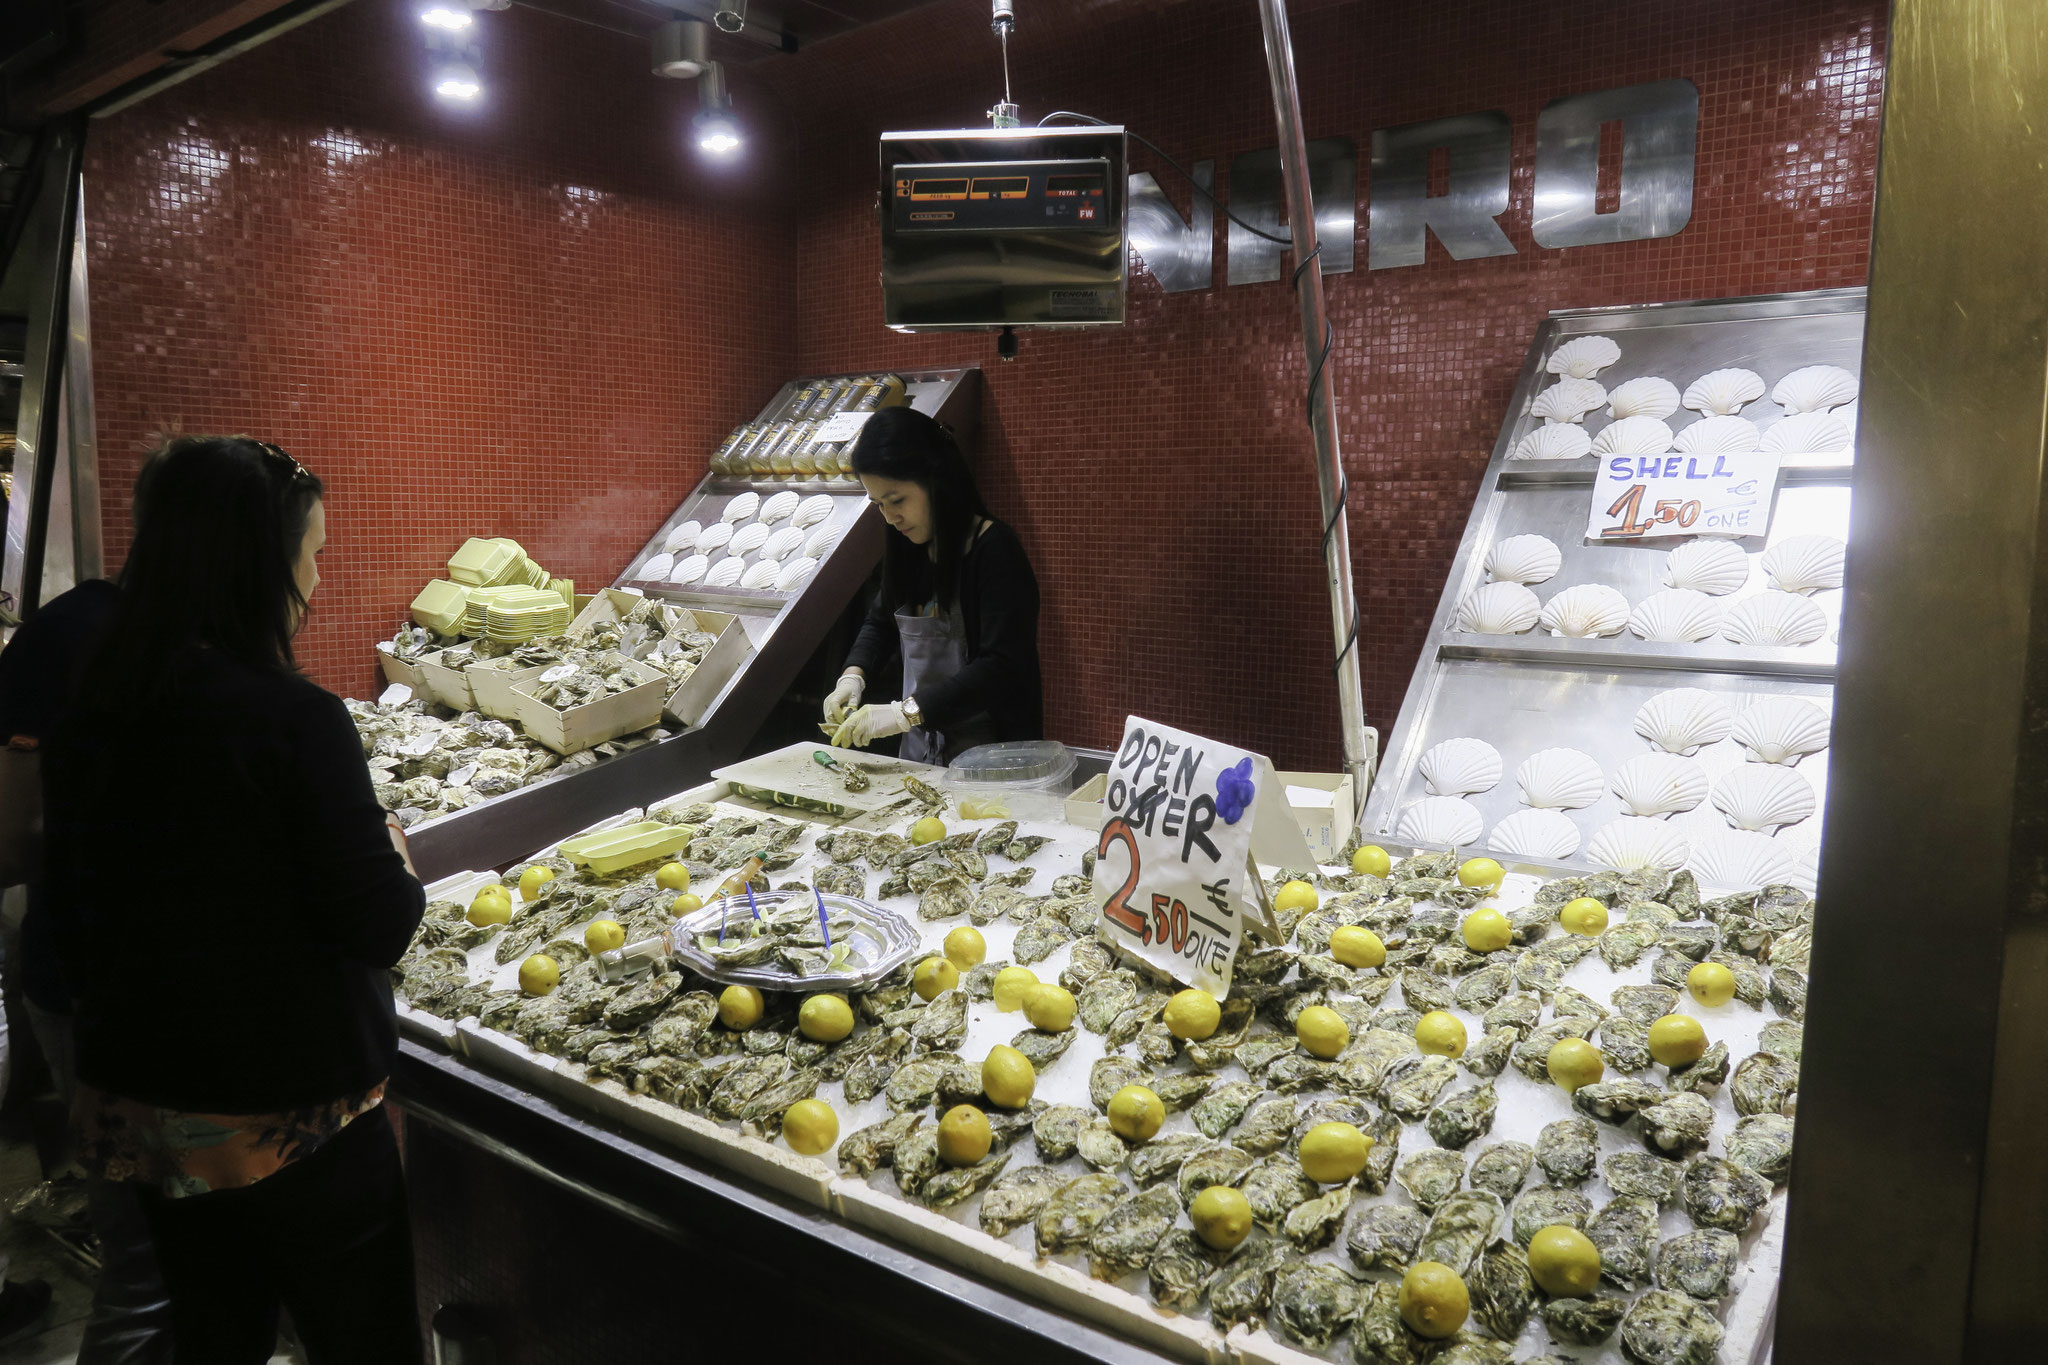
881	940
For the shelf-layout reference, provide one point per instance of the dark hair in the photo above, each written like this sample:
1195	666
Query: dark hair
213	563
902	443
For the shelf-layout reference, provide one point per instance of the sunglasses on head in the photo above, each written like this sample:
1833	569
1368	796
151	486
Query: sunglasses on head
299	471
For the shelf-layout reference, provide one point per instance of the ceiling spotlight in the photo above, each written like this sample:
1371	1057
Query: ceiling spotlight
457	81
451	16
717	131
731	15
682	49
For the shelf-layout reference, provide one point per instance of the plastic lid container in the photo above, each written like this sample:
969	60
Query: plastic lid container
1016	765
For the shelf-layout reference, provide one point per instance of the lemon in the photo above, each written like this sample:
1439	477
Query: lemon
539	974
929	830
1011	985
603	935
532	880
1370	860
685	903
965	948
810	1126
1332	1153
1049	1007
1583	916
1007	1077
1296	896
1135	1113
964	1136
673	877
1711	983
1356	947
1481	872
1677	1040
1193	1015
1563	1261
1222	1216
739	1007
1440	1033
1574	1062
1487	931
1322	1031
1433	1300
934	977
489	908
825	1018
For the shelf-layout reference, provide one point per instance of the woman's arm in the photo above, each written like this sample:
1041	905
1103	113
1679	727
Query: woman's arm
1005	647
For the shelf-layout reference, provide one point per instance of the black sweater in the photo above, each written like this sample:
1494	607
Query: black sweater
225	894
999	602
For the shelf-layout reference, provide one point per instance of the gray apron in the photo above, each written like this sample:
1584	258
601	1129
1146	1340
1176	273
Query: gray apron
935	649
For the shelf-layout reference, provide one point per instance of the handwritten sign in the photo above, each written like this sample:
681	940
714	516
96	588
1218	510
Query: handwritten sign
842	426
1173	864
1727	493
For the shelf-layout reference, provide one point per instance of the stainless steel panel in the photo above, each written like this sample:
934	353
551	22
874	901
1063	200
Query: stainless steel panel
1660	125
1181	254
1403	211
1257	192
81	429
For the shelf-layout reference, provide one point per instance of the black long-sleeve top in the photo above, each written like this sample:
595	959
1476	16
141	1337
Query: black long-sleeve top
225	893
999	604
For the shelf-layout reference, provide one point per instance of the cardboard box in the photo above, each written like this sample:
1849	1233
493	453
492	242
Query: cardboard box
693	696
446	685
583	727
405	671
491	683
1084	803
1326	825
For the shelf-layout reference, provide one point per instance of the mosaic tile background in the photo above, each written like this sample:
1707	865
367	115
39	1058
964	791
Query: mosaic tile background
539	317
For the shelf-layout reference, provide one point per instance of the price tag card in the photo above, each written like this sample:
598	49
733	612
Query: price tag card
1637	497
1187	816
842	426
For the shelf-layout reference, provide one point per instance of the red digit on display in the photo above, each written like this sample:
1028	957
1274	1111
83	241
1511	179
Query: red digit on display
1162	922
1118	906
1180	926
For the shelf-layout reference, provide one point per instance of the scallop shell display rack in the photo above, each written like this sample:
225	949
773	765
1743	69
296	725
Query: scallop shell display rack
1524	693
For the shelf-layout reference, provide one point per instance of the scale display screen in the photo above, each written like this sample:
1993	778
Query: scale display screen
1000	196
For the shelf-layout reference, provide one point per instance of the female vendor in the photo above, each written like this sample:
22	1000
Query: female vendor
958	602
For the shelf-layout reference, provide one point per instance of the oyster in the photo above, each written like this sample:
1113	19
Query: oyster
1762	1143
1179	1270
993	903
765	1109
1104	998
1466	1349
1719	1194
1180	1089
952	1186
1313	1225
1704	1076
1642	1175
1058	1129
1220	1047
745	1079
1313	1302
944	898
1782	1038
1644	1004
1545	1205
915	1084
1295	1072
1218	1164
943	1023
1424	990
1090	959
1100	1146
681	1081
1678	1126
1463	1117
1502	1168
1274	1188
1242	1289
1411	1084
1257	1053
1762	1083
1532	1055
1267	1125
1379	1337
1698	1264
916	1160
1384	1236
1625	1233
863	1152
1431	1176
1162	1156
1111	1074
1625	1044
1502	1290
1041	1047
1076	1209
1567	1150
1216	1112
1461	1228
1583	1322
1489	1056
1482	990
868	1071
1521	1012
1750	985
1788	992
1385	1132
841	881
1615	1101
1362	1068
1039	940
1670	1329
1571	1002
1130	1232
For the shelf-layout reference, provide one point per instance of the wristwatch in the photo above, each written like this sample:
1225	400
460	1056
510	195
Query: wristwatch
911	712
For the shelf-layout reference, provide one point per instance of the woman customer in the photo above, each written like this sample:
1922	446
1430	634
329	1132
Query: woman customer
228	898
959	603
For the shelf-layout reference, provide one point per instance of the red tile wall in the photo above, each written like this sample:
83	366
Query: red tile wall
531	319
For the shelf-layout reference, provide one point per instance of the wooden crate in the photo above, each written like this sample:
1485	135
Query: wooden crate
583	727
492	683
693	696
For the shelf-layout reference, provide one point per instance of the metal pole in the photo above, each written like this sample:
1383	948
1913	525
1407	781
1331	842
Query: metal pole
1360	745
44	383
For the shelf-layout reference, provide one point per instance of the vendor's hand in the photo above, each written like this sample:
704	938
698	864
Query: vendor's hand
871	723
844	697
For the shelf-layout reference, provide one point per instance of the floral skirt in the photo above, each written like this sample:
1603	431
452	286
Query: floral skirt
181	1154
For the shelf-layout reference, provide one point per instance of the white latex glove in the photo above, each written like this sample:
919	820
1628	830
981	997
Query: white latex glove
844	697
871	723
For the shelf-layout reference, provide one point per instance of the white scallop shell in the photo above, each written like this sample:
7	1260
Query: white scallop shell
1724	392
1763	796
812	510
1804	564
1682	720
796	573
715	538
1809	433
1815	389
1846	415
1498	609
761	575
1781	619
656	569
1460	767
1440	822
683	537
1740	860
1633	436
1584	357
1569	400
748	538
1712	435
1645	397
1676	615
1714	567
1524	559
689	570
726	572
1634	842
1660	784
1781	729
783	543
821	540
1553	441
1806	871
1585	611
1560	779
1544	834
778	507
741	507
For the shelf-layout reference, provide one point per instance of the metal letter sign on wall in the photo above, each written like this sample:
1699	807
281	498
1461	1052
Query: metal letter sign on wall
1659	135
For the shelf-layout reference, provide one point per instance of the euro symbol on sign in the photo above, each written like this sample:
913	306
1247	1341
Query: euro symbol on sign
1745	488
